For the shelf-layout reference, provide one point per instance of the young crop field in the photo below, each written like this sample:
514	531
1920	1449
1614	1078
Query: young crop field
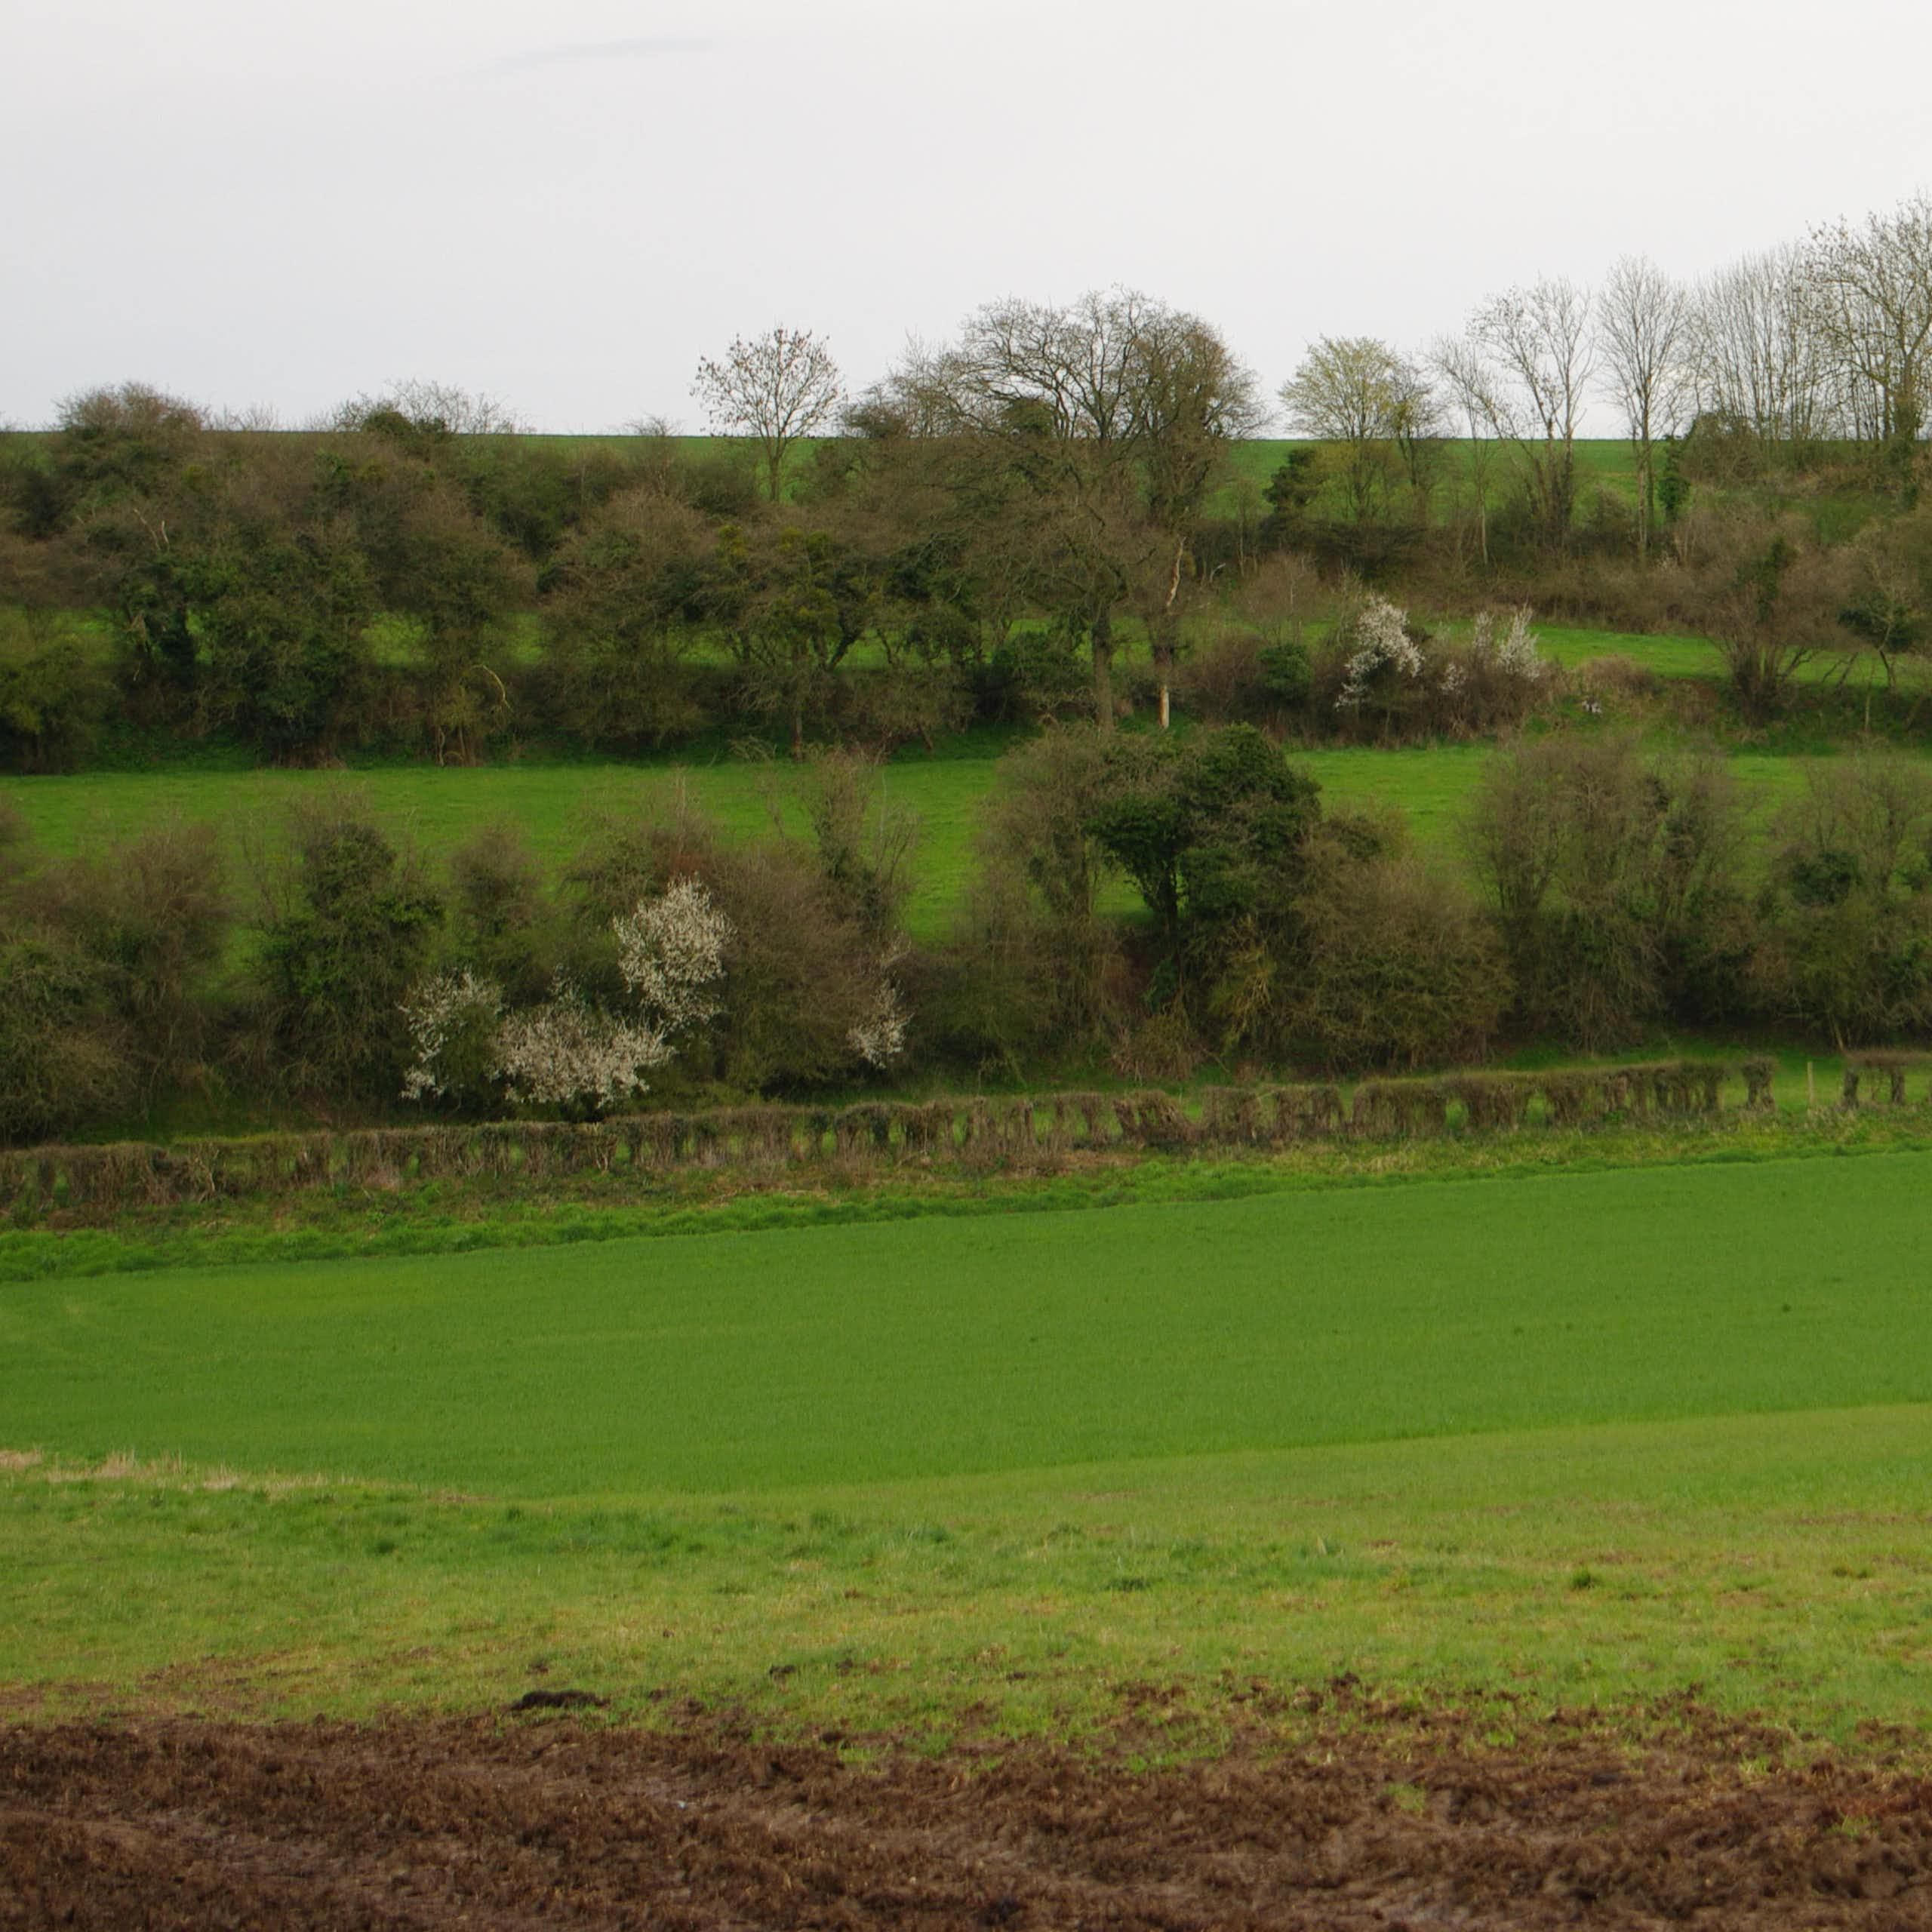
1584	1439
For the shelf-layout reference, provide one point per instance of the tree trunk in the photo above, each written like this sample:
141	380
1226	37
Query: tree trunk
1163	638
1103	669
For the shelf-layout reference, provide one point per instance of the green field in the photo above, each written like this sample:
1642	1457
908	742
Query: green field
438	806
1584	1437
1601	462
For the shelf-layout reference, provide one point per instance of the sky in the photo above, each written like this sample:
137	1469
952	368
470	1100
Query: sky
564	206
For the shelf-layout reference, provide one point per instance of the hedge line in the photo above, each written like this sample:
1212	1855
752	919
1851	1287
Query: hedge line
1865	1073
1007	1132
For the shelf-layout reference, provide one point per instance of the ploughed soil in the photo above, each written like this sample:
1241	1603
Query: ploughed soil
557	1820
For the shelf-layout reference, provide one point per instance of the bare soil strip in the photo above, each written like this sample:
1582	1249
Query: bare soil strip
559	1822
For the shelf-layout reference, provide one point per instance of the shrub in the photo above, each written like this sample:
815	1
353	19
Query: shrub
54	700
1210	829
1394	968
1612	881
1032	966
503	921
153	917
620	592
1849	906
345	931
804	970
64	1060
1382	678
566	1051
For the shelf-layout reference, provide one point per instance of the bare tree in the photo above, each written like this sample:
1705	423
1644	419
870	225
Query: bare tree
1538	346
1644	332
775	388
1869	293
1760	364
443	409
912	400
1471	385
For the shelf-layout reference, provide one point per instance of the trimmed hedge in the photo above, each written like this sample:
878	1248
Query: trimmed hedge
992	1132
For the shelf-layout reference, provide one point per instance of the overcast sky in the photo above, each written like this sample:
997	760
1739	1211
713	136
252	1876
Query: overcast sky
565	204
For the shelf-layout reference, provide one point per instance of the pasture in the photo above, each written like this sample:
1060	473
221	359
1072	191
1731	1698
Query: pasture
1579	1437
436	806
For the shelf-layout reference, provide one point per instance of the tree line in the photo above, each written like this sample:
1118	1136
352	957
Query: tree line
1599	892
974	535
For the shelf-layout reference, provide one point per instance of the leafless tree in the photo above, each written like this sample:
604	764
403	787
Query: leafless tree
775	388
1644	334
1194	398
1538	346
1869	289
1761	367
912	400
445	408
1469	383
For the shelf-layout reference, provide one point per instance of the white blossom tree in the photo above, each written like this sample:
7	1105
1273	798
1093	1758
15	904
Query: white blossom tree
568	1051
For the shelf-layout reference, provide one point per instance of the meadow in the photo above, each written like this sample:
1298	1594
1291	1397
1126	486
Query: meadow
1570	1438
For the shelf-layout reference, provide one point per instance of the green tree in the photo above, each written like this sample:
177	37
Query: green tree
346	932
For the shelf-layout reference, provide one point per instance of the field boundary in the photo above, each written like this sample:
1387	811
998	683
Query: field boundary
1008	1133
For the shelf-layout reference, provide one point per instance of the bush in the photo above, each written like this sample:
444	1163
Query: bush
1396	968
1379	679
502	922
1033	967
618	595
153	917
1613	881
1236	676
1849	907
64	1060
347	931
808	973
54	700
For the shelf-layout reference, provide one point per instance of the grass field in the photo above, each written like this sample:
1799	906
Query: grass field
1587	1437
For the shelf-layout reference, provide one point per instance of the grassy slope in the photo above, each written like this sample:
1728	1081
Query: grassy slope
1589	1435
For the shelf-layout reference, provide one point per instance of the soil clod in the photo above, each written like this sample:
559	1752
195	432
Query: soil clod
177	1826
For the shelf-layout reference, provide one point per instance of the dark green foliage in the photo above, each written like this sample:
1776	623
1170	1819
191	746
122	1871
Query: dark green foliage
620	592
1848	910
503	923
64	1055
1210	828
347	931
152	918
1285	673
280	613
53	701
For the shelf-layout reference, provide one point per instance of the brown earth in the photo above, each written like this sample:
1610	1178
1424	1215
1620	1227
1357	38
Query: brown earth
562	1821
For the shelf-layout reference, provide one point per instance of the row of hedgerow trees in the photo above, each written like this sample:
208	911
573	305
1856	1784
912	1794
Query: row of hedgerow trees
998	513
1600	893
393	584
